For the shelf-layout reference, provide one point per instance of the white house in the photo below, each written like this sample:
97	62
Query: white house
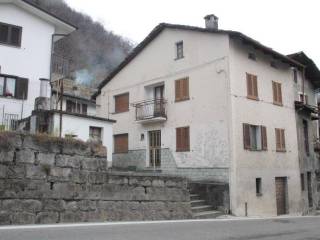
27	34
216	106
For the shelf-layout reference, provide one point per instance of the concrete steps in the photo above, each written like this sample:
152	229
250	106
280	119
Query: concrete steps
200	208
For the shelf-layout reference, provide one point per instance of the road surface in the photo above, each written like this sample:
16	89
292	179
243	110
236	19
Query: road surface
291	228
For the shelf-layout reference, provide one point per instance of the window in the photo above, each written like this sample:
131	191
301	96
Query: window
10	34
95	134
252	56
252	87
84	109
183	139
295	75
306	137
121	103
15	87
71	106
74	107
277	93
121	143
182	89
258	187
179	50
302	182
280	140
255	137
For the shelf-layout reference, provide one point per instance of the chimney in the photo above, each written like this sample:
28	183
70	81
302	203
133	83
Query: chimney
211	22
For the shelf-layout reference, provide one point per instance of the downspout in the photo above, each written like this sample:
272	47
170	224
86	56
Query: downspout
303	80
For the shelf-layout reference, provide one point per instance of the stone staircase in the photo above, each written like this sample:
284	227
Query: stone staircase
200	208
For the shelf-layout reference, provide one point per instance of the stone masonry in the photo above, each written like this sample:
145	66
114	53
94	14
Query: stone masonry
52	180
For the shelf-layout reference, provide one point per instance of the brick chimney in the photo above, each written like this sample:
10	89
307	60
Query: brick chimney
211	22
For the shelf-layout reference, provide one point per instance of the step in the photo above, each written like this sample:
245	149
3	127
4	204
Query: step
207	214
195	197
195	203
202	208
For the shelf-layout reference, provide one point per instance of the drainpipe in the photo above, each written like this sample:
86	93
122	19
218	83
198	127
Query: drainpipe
303	80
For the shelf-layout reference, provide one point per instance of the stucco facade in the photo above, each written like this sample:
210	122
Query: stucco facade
216	66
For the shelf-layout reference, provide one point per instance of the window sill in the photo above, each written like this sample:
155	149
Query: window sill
182	100
278	104
12	98
253	98
182	150
176	59
9	45
120	112
120	152
259	194
257	150
281	150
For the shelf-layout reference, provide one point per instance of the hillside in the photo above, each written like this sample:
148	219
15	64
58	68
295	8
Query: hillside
93	51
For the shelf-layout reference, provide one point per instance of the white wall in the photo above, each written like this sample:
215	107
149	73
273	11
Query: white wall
207	110
31	60
80	127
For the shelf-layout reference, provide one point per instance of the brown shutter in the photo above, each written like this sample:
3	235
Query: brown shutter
274	88
279	93
121	143
249	86
21	88
186	137
185	88
246	136
283	140
178	139
178	90
183	139
122	103
278	140
255	86
264	142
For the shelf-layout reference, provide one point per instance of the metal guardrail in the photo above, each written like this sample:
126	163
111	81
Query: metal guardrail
150	109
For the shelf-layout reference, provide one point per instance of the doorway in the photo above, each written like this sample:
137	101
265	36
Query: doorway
158	101
281	195
155	149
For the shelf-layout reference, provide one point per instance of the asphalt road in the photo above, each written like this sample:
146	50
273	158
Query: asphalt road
306	228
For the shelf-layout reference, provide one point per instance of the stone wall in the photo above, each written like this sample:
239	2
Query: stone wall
52	180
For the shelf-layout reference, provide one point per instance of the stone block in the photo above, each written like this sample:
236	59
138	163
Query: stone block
5	218
97	177
53	205
72	206
79	176
68	161
47	218
46	158
65	190
6	156
42	143
37	172
158	183
10	141
91	164
3	171
167	194
59	174
25	156
114	192
118	179
96	216
72	217
16	171
76	147
13	205
23	218
32	206
87	205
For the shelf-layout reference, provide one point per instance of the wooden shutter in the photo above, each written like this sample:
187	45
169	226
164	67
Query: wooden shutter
249	86
183	139
255	86
252	86
246	136
277	93
122	103
264	141
280	140
283	140
121	143
21	91
182	89
178	90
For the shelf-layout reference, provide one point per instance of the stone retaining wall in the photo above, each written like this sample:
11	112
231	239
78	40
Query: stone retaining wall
52	180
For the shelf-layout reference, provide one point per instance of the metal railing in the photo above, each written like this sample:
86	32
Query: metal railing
150	109
10	121
60	65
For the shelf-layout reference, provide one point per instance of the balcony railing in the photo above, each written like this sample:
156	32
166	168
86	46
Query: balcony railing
151	110
60	65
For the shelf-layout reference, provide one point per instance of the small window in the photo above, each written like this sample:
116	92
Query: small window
10	34
182	89
273	64
252	86
84	109
13	87
179	50
121	103
121	143
252	56
183	139
302	182
277	93
95	134
255	137
258	187
306	137
70	106
295	75
280	140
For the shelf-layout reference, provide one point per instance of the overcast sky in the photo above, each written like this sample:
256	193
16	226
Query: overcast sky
285	25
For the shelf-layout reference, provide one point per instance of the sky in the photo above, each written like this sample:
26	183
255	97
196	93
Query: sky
287	26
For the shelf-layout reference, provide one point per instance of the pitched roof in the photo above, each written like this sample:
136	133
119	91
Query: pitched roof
312	71
158	29
62	25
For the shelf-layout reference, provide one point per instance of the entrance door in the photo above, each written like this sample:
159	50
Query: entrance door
158	104
309	182
155	148
281	195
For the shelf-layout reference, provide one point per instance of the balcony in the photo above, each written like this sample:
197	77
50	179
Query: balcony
150	111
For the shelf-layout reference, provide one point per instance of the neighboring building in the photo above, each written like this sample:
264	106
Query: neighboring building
27	34
215	106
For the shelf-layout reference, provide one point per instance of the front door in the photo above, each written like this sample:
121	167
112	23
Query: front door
155	148
309	182
281	195
158	98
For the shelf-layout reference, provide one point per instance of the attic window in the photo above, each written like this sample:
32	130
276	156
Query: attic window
252	56
295	75
273	64
10	34
179	50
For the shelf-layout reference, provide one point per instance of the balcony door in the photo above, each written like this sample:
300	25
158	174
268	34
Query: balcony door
158	103
155	148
